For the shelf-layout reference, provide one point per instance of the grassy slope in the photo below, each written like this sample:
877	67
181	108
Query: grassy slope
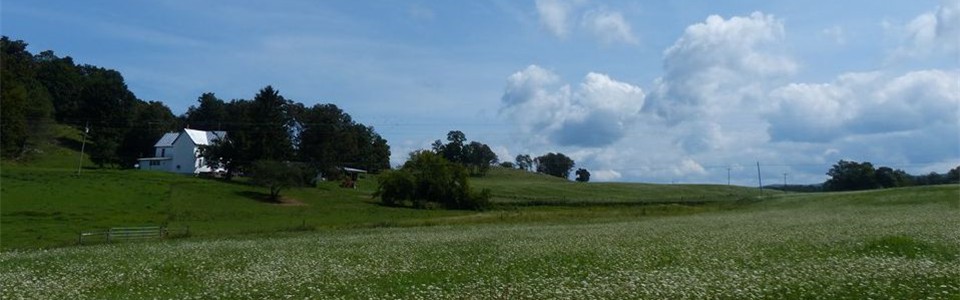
899	243
511	186
44	203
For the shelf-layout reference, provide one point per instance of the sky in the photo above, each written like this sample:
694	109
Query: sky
638	91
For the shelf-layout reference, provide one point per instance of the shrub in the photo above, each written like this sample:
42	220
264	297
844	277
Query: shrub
427	179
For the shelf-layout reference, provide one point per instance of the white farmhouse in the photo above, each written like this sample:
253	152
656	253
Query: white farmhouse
179	152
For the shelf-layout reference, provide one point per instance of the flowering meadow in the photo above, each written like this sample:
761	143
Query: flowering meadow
902	244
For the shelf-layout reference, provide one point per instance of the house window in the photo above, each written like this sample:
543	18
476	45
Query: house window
163	152
154	162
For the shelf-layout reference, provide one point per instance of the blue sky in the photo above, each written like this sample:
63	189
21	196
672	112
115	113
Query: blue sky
656	91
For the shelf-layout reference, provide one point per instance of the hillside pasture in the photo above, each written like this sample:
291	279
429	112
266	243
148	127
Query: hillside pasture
896	244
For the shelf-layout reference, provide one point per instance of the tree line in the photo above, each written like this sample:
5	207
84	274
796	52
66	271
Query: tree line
851	175
41	90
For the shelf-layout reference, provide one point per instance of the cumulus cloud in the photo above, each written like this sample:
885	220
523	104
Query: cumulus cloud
864	103
719	63
725	99
606	25
605	175
932	32
609	27
594	114
555	15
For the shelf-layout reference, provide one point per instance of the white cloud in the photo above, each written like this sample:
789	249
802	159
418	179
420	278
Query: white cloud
605	175
609	27
719	64
932	32
725	100
606	25
688	167
555	15
865	103
595	114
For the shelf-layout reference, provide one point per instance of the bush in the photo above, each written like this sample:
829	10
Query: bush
427	179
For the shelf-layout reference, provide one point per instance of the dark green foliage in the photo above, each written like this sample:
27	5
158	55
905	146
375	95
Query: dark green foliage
123	128
151	120
583	175
223	153
37	88
64	82
507	164
888	178
275	176
524	162
427	179
554	164
270	131
476	156
851	176
329	139
26	104
108	106
210	114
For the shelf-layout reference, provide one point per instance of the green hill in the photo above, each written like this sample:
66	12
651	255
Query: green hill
897	243
519	187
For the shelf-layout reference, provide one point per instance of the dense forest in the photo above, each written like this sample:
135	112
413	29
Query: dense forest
42	90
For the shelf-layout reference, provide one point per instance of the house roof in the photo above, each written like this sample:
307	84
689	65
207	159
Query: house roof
204	138
198	137
167	139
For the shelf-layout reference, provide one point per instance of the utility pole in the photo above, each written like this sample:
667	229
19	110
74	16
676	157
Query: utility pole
759	178
784	182
86	129
728	176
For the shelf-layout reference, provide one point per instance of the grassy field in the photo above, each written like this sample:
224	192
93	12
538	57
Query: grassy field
891	244
545	239
513	187
49	207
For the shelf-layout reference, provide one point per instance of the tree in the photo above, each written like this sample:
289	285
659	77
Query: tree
507	164
329	139
270	127
223	153
851	175
886	177
953	176
583	175
453	150
524	162
25	106
554	164
108	106
275	176
151	120
210	114
478	157
63	81
428	178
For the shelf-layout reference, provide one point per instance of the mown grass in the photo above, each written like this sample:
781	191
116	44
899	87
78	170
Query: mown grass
816	246
517	187
50	207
